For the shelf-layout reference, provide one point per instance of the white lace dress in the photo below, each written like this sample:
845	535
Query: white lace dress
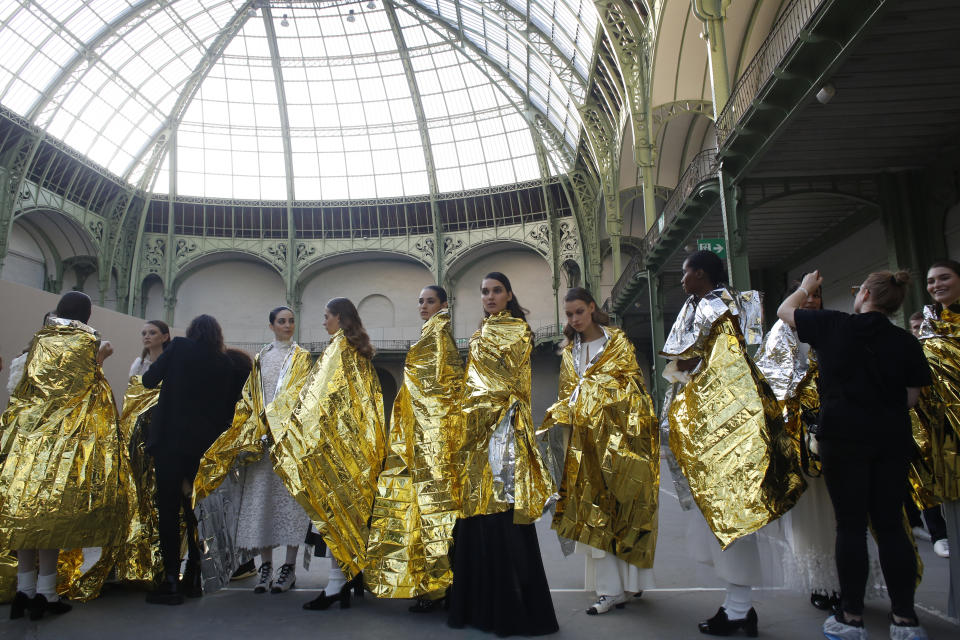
269	516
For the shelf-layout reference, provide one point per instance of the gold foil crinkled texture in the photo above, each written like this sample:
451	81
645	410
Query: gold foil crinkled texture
611	476
729	439
242	443
415	510
63	465
939	406
497	426
330	453
137	560
691	329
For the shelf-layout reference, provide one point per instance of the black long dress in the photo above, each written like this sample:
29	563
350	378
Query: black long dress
499	584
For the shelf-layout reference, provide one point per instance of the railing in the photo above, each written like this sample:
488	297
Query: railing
779	41
702	168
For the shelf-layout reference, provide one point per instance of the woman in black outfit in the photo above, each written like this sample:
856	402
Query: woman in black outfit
871	372
201	385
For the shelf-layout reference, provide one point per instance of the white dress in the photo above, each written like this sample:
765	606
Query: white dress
607	574
269	516
140	366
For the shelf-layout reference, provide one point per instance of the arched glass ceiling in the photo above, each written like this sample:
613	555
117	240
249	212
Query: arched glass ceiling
372	99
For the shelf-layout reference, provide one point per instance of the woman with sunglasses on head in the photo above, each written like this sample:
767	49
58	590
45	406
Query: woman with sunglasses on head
499	584
939	407
730	454
330	452
871	373
611	470
415	509
268	515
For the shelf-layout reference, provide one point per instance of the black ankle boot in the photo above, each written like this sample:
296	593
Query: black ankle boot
167	593
322	602
820	601
721	625
39	606
21	602
191	585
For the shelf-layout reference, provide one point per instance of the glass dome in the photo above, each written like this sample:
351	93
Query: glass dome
304	100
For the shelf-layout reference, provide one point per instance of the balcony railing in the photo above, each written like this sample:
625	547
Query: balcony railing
702	168
782	37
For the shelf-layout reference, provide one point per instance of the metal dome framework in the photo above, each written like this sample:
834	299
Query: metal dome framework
549	86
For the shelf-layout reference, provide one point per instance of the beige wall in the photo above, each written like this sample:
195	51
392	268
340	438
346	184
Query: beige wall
22	310
531	279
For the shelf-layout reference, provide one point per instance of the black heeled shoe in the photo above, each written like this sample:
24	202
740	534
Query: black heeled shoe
323	602
39	606
721	625
19	606
835	602
424	605
820	601
191	584
357	583
167	593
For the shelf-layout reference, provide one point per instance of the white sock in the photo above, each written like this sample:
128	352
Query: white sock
47	587
335	578
739	601
27	583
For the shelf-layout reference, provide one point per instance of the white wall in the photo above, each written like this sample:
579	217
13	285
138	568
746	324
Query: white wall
23	263
239	294
154	298
847	263
385	292
530	277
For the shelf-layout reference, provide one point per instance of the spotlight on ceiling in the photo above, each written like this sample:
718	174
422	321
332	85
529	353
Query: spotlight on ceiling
371	5
252	12
351	17
826	93
284	22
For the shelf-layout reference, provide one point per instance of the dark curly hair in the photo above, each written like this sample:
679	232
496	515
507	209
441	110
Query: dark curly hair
74	305
351	325
206	330
711	264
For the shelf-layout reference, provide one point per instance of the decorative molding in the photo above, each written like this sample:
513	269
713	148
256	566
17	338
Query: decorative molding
305	252
427	249
153	254
540	236
183	249
278	253
96	228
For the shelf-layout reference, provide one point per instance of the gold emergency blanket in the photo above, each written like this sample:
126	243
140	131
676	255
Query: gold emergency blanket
415	510
499	462
62	462
330	453
791	372
243	441
138	558
726	429
939	406
611	476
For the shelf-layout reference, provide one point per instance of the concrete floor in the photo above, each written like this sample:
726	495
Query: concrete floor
686	593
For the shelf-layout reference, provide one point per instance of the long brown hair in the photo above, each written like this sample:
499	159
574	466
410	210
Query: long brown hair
887	289
351	325
513	305
599	316
164	330
206	330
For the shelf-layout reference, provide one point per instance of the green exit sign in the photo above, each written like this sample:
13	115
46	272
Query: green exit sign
717	245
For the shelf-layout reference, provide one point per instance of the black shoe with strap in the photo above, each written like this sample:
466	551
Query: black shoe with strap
323	602
820	600
39	606
191	585
721	625
425	605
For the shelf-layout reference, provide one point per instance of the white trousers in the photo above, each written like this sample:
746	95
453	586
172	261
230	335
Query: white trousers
608	575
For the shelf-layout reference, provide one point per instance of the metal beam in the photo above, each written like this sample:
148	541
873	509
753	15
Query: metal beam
87	55
408	71
291	261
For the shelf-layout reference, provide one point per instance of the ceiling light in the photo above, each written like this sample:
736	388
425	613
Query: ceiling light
284	22
371	5
252	12
826	93
351	17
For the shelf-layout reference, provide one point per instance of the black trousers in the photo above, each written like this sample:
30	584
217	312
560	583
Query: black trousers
867	480
172	471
